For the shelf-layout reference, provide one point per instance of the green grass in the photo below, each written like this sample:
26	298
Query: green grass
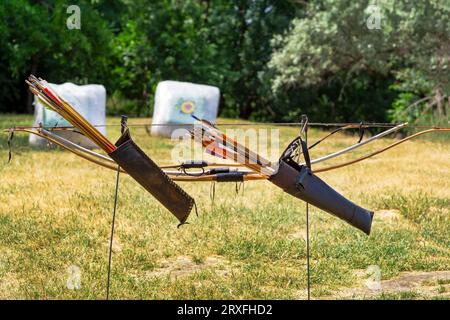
428	212
404	295
55	212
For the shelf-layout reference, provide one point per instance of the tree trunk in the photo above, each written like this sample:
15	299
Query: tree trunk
438	98
206	3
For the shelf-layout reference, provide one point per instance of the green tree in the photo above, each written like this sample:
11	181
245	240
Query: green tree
334	50
35	39
215	42
162	40
243	31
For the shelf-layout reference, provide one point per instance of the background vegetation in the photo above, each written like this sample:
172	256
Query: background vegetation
273	60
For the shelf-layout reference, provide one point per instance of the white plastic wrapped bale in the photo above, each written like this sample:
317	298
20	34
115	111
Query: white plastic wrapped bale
175	102
89	100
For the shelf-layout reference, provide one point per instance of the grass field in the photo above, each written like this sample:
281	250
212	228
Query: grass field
55	215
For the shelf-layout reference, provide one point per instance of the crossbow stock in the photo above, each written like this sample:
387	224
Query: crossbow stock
294	177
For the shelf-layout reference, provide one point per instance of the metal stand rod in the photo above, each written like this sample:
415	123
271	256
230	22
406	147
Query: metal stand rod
123	123
112	234
308	249
308	270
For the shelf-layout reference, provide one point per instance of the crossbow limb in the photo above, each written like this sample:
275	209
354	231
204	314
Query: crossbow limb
341	165
359	144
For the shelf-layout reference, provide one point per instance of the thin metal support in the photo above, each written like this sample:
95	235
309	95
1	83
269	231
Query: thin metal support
308	268
123	123
304	132
112	233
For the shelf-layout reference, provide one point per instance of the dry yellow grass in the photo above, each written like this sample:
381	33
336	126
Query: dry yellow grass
55	212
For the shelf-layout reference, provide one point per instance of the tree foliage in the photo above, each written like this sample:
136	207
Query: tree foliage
215	42
271	59
35	39
334	46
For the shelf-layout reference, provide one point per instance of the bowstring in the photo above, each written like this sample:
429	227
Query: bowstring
282	124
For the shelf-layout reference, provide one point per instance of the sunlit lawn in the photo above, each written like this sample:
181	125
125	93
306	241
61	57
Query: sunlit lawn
55	212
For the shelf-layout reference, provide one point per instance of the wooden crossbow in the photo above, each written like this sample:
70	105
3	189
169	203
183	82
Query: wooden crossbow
294	177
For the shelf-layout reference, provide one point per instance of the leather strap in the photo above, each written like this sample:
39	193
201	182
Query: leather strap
305	152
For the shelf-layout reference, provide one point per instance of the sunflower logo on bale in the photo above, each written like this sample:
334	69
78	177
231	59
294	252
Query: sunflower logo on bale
187	107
